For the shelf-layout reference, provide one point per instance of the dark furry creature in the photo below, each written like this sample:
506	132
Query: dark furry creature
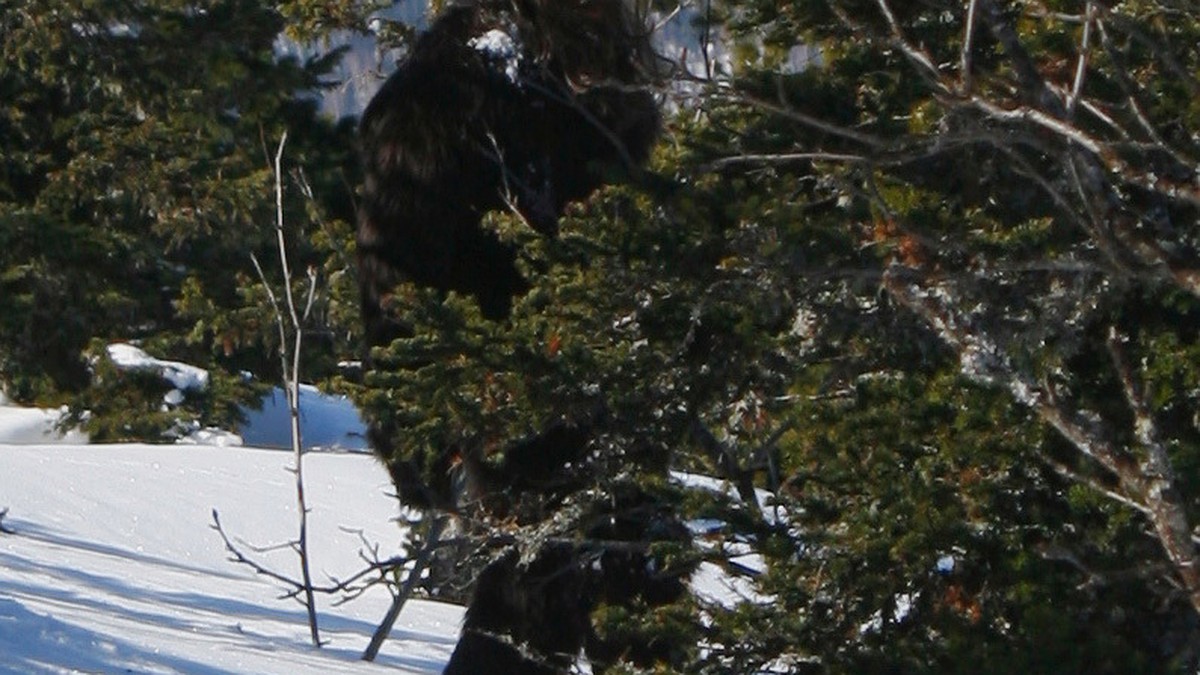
523	105
532	617
502	104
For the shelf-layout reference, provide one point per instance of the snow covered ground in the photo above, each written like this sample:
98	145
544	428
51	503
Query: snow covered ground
114	567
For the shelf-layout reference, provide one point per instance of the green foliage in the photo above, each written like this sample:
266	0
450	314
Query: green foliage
903	471
657	313
852	266
1002	266
636	308
137	183
310	20
139	405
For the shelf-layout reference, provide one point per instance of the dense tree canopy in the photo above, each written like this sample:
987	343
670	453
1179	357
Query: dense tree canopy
933	293
991	446
135	185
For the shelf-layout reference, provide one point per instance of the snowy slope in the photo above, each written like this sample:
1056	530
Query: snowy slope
327	422
114	567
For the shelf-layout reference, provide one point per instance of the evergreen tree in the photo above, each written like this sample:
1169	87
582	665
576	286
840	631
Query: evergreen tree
934	293
990	446
135	186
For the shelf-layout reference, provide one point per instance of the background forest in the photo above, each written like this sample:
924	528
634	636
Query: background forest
928	301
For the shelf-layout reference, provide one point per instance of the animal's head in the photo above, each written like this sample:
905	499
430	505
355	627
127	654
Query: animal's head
592	42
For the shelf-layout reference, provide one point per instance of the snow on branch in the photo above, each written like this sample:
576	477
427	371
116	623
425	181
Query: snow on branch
182	376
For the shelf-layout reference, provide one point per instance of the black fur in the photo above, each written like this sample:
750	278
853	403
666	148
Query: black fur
534	616
531	617
456	132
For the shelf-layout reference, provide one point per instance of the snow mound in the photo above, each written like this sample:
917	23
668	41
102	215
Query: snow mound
183	376
31	425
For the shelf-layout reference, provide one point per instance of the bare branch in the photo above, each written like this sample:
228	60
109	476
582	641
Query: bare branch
375	572
1131	88
789	112
237	556
965	75
1095	111
669	17
783	158
1081	65
1058	552
269	548
1148	481
1042	119
432	537
291	377
723	456
983	361
262	277
918	56
280	239
1095	484
292	380
1160	488
312	292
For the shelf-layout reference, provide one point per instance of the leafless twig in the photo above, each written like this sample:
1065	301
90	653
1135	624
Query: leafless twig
376	571
400	596
290	367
